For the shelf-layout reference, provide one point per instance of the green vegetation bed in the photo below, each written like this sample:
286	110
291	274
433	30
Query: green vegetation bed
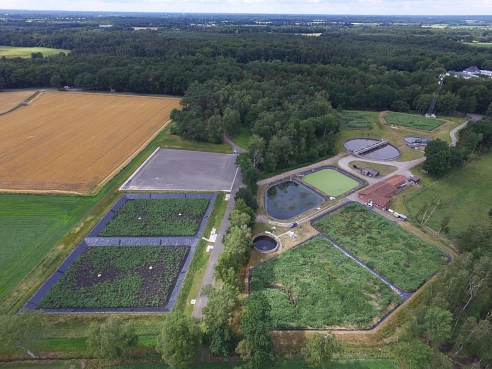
118	276
316	285
413	121
353	120
405	259
465	195
30	226
330	181
157	217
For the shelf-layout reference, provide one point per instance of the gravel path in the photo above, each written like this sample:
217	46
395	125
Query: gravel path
208	278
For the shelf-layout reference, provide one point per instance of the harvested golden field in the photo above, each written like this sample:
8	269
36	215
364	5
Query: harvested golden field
74	142
10	100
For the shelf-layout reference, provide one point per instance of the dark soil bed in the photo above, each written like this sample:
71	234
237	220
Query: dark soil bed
117	277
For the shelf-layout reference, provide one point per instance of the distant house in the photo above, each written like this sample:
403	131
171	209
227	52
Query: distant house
378	194
462	74
370	172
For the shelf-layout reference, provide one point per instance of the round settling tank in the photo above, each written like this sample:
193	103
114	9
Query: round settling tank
266	243
382	152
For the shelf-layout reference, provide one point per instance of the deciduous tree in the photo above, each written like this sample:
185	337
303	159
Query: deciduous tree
320	348
112	339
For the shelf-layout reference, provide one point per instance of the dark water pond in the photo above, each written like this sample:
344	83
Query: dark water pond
289	199
388	152
265	243
416	140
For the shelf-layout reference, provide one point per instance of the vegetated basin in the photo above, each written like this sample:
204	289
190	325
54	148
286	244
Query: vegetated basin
289	199
416	141
333	182
265	243
388	152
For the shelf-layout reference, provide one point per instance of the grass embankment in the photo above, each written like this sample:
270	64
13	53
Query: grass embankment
383	170
330	181
465	195
25	52
316	285
416	121
403	258
292	364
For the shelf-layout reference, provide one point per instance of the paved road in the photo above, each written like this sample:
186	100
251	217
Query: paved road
208	278
454	131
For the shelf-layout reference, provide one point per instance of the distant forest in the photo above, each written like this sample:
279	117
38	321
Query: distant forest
264	74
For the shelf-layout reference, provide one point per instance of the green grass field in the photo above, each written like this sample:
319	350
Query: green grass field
466	197
25	52
330	181
480	44
413	121
353	120
403	258
30	226
294	364
316	285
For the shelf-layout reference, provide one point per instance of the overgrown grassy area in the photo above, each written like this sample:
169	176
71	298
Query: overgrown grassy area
157	217
413	121
292	364
351	119
168	141
242	138
330	181
403	258
316	285
381	168
465	195
25	52
30	226
117	277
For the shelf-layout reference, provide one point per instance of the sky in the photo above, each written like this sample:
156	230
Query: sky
366	7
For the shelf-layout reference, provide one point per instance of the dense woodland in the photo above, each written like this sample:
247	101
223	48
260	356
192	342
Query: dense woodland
279	85
286	90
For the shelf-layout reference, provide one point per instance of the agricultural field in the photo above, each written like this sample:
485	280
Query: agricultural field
465	196
157	217
118	276
74	142
405	259
11	100
413	121
30	227
25	52
330	181
316	285
353	120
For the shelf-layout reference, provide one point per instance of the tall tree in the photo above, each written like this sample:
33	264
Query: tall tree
257	346
437	160
179	340
20	332
437	323
112	339
320	348
218	314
